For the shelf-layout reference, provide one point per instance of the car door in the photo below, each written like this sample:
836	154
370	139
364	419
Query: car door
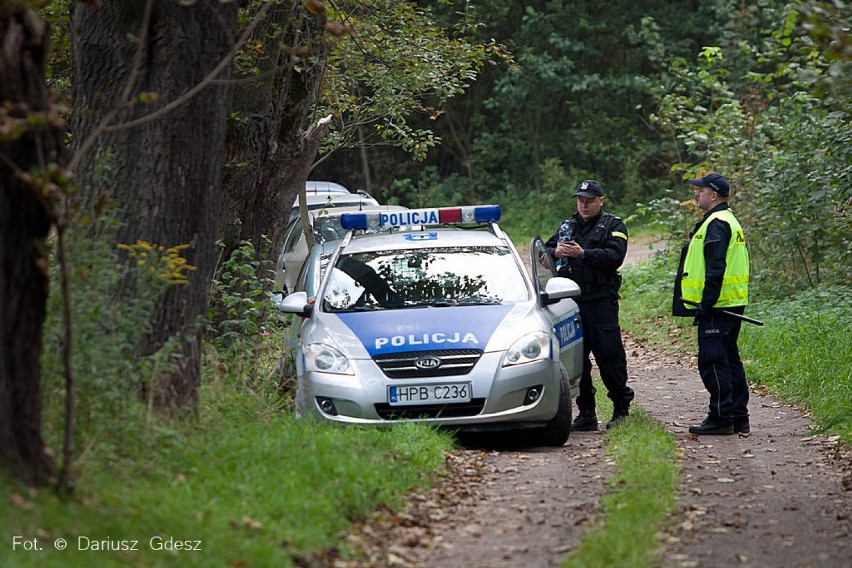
564	315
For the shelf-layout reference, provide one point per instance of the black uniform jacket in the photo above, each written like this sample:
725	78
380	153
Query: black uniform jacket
604	240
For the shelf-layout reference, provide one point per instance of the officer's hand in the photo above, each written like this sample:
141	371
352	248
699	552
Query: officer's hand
573	250
700	311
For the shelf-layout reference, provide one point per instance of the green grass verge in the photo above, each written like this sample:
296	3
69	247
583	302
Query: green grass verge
803	353
638	499
254	492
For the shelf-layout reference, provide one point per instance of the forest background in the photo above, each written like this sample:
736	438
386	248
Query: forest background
151	181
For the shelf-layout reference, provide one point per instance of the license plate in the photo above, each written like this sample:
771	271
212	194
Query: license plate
429	394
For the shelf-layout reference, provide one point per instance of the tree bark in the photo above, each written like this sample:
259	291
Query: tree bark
269	152
164	172
25	220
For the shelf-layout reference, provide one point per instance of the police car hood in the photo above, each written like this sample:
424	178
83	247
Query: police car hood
485	327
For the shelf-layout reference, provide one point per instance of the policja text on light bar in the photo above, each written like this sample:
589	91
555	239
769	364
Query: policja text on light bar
430	216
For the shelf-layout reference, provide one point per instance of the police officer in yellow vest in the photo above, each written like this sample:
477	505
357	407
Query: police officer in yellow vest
713	273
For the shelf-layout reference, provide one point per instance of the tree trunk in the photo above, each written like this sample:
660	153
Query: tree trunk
365	162
133	58
269	154
25	220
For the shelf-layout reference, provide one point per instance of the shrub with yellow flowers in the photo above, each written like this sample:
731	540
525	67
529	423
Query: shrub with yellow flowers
163	263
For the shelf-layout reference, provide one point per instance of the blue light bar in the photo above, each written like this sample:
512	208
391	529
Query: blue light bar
431	216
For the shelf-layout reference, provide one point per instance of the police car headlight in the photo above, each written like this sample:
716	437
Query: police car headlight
531	347
325	359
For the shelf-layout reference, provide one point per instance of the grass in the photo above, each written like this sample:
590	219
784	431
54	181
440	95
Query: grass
646	305
637	500
256	487
803	353
243	480
253	492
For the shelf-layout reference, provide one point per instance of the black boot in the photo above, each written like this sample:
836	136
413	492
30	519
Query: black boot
586	421
741	425
620	411
711	427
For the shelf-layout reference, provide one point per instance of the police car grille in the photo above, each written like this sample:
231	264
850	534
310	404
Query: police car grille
388	412
453	362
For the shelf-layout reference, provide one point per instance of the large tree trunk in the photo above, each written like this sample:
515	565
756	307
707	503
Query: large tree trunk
269	152
164	172
25	220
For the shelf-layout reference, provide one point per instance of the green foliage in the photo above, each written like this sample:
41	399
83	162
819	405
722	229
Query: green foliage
581	89
578	89
828	24
798	205
239	303
801	353
58	72
392	62
786	151
254	486
640	496
428	190
539	211
646	304
244	337
665	216
113	305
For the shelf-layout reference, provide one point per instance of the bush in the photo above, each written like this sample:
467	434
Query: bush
113	303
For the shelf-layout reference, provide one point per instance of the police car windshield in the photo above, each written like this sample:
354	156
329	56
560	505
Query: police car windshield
436	277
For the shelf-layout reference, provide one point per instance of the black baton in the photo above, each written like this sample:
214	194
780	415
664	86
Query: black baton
727	313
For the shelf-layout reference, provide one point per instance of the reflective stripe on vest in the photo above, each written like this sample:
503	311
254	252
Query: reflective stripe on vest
735	281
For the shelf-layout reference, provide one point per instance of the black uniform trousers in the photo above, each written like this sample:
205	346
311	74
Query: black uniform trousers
720	367
602	338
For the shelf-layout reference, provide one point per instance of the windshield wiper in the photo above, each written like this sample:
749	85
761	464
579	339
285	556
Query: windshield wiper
476	301
472	301
356	309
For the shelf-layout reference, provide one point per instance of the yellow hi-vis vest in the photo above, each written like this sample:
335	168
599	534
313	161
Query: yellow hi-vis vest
735	281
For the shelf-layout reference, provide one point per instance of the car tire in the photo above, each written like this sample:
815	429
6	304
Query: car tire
557	430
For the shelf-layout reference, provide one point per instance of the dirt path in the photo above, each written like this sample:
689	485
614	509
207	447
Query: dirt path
778	498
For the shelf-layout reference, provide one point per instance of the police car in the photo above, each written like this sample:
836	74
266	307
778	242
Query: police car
442	325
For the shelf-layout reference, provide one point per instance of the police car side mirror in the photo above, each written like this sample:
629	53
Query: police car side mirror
559	288
296	303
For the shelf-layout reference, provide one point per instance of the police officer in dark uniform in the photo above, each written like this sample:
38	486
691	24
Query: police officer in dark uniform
591	256
714	273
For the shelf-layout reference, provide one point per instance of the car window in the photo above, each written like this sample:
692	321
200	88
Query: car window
541	262
312	286
302	278
443	276
292	235
310	276
330	201
328	229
